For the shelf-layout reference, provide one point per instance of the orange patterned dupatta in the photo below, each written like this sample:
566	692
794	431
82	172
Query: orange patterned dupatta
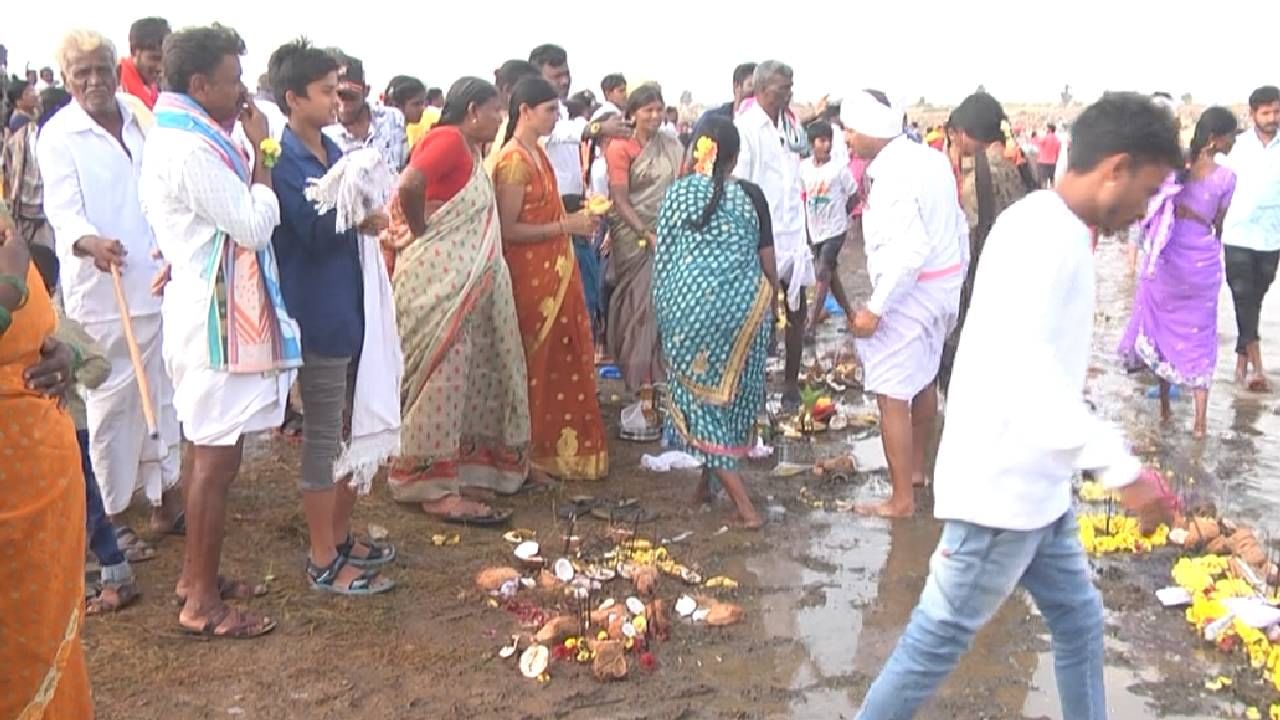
568	432
42	569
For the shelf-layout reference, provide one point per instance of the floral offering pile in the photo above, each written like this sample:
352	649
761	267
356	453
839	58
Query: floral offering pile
567	613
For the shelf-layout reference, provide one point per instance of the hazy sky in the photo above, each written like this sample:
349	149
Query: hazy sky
911	49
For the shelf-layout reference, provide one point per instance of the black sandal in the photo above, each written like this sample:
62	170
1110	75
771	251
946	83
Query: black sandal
578	506
379	555
369	582
135	549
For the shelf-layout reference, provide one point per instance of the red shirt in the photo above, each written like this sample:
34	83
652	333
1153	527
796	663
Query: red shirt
442	156
131	82
1050	146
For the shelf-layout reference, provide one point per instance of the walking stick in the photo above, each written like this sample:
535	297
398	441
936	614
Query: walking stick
144	387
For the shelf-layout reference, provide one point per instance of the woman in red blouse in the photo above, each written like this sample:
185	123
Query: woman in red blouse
465	406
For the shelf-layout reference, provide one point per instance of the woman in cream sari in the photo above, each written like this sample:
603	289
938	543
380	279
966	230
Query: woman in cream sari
641	169
464	400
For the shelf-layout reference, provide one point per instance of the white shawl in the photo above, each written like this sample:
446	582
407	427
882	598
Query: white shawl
357	186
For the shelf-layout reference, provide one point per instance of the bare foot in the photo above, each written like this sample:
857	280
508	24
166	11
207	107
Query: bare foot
1259	384
539	479
747	521
888	509
1199	432
456	507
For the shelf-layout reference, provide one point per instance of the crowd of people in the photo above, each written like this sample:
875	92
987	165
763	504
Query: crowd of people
167	274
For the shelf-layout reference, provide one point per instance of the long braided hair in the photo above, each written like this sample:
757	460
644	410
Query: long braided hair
725	136
1214	122
531	91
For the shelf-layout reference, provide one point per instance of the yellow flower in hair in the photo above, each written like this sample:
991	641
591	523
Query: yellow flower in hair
704	155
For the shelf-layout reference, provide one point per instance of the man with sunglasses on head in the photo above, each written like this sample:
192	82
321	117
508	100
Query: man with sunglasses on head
364	124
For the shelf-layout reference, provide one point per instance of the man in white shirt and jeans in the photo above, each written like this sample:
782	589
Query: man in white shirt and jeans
1251	230
1017	426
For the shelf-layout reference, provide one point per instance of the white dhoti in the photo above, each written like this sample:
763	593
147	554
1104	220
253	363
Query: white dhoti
215	407
903	355
125	458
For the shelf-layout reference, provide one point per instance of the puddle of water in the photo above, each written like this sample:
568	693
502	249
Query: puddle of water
1234	466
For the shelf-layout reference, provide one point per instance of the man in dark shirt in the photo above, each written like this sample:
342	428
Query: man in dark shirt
743	88
322	282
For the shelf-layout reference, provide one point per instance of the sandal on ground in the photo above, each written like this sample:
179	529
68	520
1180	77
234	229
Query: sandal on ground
379	553
624	511
112	598
536	487
491	517
135	549
230	589
368	583
577	506
650	433
229	623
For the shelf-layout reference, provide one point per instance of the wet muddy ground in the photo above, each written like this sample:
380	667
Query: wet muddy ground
826	594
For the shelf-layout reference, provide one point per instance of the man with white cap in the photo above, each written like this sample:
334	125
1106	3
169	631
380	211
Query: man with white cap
916	243
770	157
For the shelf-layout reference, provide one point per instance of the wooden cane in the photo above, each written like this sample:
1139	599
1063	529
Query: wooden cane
144	387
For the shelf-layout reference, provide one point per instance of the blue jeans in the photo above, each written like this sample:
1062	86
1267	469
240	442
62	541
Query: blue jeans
973	571
589	269
102	537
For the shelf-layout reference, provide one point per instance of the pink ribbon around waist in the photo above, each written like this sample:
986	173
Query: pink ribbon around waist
927	275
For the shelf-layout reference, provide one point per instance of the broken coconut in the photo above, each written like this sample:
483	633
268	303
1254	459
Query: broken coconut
493	578
659	619
646	580
557	629
534	661
611	660
724	614
548	581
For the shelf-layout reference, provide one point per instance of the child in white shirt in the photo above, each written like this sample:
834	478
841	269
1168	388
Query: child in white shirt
829	196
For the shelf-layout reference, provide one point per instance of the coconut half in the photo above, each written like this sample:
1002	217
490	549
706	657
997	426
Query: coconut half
563	570
534	661
527	550
686	606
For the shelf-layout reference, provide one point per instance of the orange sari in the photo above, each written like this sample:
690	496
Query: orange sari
568	433
41	497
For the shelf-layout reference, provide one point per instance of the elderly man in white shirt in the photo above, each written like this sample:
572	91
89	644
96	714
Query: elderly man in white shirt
196	202
90	155
770	157
917	247
1251	230
1017	426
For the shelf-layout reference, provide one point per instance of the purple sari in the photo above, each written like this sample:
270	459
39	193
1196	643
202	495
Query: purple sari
1174	328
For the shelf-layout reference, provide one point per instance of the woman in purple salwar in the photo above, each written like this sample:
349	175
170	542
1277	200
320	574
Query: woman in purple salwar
1173	331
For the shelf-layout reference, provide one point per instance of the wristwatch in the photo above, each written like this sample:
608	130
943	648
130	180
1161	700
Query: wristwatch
594	129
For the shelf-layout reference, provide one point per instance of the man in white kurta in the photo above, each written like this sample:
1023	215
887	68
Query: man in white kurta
90	154
769	157
916	244
191	194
